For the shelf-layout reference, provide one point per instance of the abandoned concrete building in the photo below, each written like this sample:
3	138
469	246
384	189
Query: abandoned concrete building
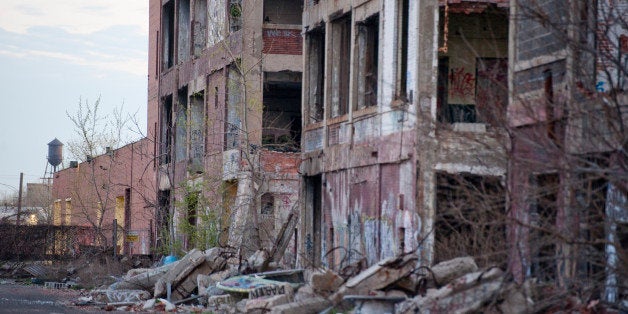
394	125
441	128
224	111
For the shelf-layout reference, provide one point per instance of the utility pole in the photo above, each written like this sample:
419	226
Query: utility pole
19	199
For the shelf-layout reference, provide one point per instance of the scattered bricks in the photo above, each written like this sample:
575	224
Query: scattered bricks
114	296
377	277
449	270
325	283
265	303
312	305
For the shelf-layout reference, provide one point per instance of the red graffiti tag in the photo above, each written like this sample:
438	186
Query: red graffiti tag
461	83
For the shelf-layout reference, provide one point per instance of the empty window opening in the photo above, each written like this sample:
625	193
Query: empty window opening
197	133
543	211
470	219
340	53
162	217
183	26
199	26
181	134
165	146
315	41
281	118
314	217
232	123
473	71
403	19
167	32
402	240
283	12
127	218
368	52
191	203
235	15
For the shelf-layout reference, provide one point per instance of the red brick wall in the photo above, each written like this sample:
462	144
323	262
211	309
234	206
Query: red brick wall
104	179
282	41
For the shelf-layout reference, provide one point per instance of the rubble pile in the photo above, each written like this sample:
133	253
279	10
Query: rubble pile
210	281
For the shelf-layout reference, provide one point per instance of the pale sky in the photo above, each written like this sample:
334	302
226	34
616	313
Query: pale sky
51	54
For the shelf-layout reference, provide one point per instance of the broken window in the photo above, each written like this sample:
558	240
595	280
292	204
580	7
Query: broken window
183	26
543	211
232	123
403	18
181	134
368	49
470	219
316	74
340	53
167	31
166	130
283	11
199	26
282	111
197	134
235	15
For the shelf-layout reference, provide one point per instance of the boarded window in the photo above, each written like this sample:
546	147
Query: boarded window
368	51
340	65
315	68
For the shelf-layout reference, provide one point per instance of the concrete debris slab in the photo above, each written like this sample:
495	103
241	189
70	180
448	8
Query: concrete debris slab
266	303
326	282
145	281
112	296
312	305
377	277
447	271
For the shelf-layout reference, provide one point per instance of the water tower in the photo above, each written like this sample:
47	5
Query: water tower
55	157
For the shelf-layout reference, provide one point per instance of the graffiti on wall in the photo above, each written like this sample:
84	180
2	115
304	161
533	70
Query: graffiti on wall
461	85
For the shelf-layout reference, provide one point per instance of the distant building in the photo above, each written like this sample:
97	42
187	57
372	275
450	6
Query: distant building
118	185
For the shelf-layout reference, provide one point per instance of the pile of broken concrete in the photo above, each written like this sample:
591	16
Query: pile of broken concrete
211	281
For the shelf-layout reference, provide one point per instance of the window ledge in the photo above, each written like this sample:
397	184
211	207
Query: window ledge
365	111
338	119
469	127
